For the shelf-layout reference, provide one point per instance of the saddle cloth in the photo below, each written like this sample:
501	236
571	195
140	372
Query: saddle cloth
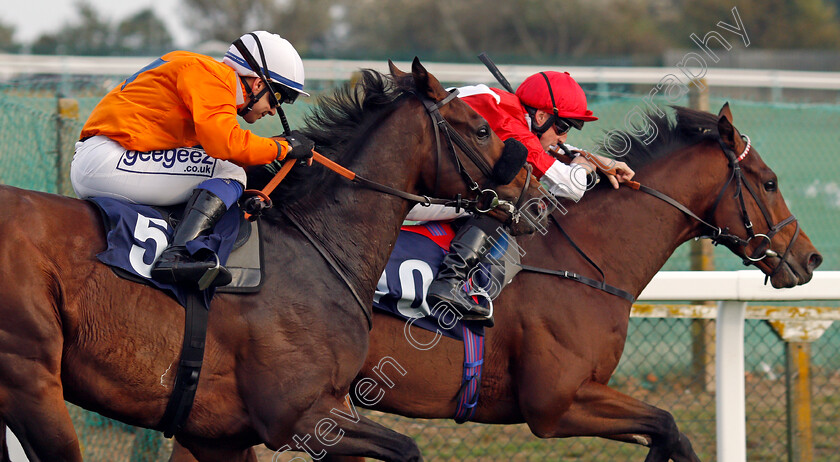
137	234
413	265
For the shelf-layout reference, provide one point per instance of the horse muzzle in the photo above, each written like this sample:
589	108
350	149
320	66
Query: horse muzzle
510	163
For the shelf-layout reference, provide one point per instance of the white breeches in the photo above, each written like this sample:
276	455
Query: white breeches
101	167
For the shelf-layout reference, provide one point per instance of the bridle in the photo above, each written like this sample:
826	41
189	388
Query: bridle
718	235
762	250
487	198
723	235
440	124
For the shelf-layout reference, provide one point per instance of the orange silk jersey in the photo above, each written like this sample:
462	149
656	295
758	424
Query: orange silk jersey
182	99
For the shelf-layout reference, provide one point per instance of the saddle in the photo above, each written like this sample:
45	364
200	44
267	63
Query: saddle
401	290
235	239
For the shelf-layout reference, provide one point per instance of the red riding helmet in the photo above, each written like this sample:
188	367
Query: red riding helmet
564	98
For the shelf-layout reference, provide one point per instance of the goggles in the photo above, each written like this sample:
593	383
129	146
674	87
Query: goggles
562	126
281	94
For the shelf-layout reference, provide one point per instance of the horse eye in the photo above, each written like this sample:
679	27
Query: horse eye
770	186
483	132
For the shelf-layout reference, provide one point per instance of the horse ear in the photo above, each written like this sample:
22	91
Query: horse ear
425	82
725	128
726	112
395	71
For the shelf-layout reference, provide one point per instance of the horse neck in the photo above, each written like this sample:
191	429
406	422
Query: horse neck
631	234
359	226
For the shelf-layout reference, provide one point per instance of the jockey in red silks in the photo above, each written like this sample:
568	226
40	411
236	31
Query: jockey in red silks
169	134
540	114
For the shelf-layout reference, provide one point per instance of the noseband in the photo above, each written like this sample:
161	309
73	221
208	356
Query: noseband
762	250
487	199
724	236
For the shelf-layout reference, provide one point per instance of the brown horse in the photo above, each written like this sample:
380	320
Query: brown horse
278	363
557	342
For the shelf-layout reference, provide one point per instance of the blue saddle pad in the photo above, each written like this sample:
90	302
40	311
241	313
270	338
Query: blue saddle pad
138	234
402	288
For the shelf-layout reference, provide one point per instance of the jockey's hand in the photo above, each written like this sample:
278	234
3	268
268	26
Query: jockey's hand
623	173
587	165
300	147
615	171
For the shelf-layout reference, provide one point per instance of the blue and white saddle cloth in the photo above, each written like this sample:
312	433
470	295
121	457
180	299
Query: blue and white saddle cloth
138	234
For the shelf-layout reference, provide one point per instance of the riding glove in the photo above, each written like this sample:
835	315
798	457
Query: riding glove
300	147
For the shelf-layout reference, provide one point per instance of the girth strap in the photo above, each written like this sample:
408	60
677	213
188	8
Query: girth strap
600	285
189	367
467	397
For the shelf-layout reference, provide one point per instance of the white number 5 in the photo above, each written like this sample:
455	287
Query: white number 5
143	232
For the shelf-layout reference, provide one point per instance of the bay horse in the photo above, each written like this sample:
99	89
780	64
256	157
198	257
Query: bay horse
556	342
278	362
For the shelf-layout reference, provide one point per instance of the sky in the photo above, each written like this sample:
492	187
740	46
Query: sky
31	18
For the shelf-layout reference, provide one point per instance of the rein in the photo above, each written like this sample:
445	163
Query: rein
724	236
600	285
265	202
718	236
260	200
489	197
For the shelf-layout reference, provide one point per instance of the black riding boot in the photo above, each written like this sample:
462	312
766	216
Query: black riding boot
467	249
176	265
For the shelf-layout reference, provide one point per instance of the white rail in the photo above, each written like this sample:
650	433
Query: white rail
733	289
338	70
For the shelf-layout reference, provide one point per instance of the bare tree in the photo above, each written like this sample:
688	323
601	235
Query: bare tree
308	24
514	30
92	35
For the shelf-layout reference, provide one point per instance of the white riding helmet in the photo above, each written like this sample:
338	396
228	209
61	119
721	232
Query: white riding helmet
281	63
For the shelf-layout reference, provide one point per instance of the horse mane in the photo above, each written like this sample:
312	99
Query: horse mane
339	125
689	128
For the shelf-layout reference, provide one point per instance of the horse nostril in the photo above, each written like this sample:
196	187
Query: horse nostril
814	261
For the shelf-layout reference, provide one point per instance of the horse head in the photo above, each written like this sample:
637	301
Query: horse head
493	170
753	219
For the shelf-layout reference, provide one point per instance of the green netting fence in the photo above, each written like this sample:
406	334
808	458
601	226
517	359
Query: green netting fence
797	140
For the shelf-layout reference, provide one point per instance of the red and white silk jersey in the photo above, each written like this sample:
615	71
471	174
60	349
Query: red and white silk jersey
182	99
507	117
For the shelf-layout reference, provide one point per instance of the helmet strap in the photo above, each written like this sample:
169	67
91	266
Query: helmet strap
252	98
552	117
282	115
539	129
255	67
551	94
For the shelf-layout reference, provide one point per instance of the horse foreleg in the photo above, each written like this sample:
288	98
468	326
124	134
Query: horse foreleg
598	410
31	393
182	454
40	420
333	427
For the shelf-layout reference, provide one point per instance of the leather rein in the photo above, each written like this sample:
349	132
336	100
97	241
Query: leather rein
261	199
485	201
718	235
723	235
